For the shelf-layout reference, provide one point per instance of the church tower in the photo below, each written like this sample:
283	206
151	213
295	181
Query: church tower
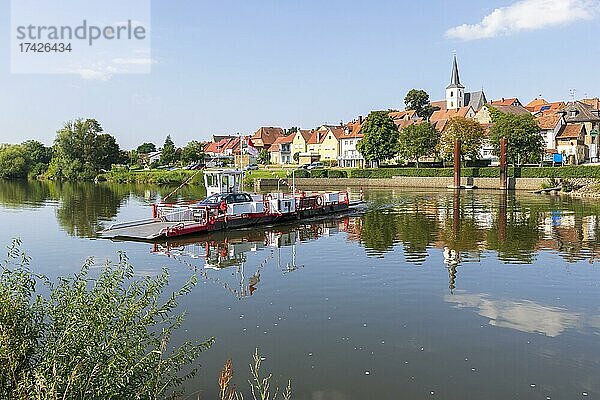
455	92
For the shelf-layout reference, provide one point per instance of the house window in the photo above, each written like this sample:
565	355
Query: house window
451	104
451	94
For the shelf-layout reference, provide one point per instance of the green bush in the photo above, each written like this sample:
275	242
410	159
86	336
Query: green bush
302	173
336	173
318	173
90	337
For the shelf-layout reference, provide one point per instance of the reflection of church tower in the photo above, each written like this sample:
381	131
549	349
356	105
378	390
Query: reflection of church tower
455	92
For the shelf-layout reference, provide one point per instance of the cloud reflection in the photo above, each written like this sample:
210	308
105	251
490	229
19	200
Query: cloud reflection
524	315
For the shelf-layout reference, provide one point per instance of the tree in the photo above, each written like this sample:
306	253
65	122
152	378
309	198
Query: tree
380	141
264	157
192	152
293	129
296	156
418	140
168	152
14	161
525	143
80	150
38	153
469	132
418	100
107	151
146	148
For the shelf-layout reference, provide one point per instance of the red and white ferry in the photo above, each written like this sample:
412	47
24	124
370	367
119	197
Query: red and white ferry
228	207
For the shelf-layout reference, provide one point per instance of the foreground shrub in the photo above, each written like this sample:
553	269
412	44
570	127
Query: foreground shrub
104	337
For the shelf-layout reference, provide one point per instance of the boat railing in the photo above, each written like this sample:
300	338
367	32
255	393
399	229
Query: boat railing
189	213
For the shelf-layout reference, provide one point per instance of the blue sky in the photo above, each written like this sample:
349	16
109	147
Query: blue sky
232	66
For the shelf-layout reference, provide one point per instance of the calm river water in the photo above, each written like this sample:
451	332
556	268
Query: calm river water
426	295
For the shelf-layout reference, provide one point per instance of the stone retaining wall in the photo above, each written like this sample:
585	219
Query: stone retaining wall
405	181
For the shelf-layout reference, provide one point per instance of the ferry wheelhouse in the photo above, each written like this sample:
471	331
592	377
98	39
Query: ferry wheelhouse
227	206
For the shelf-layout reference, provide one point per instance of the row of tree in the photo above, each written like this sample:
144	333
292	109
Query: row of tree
81	150
382	140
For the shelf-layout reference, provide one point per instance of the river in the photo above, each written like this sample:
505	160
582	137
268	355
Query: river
428	294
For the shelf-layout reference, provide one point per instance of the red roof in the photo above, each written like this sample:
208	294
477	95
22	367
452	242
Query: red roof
548	120
571	131
447	114
266	135
505	102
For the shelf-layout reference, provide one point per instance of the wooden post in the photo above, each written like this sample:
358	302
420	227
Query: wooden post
456	164
503	164
502	217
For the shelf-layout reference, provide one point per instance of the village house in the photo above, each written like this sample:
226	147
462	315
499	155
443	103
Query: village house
280	152
551	124
350	157
577	112
325	142
570	142
300	140
484	116
265	136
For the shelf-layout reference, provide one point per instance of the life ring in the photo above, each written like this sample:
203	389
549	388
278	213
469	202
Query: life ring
223	206
319	201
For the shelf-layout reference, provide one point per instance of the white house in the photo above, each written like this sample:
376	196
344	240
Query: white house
349	155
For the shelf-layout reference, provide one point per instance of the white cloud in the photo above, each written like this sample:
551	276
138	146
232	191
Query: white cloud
93	74
526	15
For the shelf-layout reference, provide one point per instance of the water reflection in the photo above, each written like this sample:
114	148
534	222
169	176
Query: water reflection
223	250
462	226
524	315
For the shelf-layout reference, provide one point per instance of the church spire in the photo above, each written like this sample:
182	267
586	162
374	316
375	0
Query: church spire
455	79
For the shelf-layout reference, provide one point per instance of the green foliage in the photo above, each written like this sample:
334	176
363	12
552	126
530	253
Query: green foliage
103	337
302	173
293	129
168	153
81	150
146	148
318	173
296	156
14	161
192	152
418	100
329	163
337	173
380	141
525	144
469	132
263	157
418	140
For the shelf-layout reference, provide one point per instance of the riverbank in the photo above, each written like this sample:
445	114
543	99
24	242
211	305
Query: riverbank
402	181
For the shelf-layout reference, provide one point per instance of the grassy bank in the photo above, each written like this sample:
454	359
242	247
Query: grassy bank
153	177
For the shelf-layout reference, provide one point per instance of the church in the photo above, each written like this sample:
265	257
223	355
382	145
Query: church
457	97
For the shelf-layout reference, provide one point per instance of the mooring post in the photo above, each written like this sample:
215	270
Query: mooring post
456	163
503	164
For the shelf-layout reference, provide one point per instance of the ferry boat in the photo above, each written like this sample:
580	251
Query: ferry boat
227	207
